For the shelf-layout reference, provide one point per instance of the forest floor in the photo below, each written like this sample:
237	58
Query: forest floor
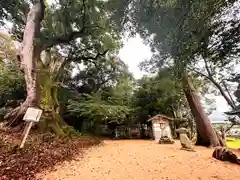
41	152
141	160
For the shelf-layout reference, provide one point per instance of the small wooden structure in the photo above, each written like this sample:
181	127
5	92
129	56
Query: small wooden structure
134	131
161	127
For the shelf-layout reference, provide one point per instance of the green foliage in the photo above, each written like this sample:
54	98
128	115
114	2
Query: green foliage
103	73
161	94
182	29
110	103
11	83
95	109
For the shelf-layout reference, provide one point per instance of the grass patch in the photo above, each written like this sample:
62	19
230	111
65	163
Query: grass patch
233	143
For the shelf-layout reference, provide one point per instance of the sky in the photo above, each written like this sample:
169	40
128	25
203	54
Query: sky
134	51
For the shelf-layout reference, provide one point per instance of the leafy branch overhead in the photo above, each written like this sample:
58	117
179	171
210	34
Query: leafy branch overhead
96	109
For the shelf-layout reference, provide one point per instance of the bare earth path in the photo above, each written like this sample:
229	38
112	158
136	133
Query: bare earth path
144	160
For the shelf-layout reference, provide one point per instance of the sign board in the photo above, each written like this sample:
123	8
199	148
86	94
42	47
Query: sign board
32	114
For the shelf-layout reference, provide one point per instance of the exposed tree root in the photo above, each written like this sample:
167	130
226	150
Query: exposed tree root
223	154
220	139
14	117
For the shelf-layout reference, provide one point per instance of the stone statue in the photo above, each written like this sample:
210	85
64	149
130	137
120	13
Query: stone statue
185	141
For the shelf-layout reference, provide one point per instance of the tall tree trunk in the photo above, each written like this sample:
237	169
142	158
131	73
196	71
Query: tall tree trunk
30	54
49	70
207	135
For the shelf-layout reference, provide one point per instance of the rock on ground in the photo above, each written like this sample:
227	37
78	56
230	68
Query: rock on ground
143	160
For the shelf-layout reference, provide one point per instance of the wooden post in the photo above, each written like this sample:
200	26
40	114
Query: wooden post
28	127
32	115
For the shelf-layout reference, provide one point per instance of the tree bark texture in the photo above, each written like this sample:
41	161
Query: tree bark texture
206	134
49	72
30	54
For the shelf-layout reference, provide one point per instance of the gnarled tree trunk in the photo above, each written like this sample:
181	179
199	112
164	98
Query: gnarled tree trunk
30	54
206	134
49	70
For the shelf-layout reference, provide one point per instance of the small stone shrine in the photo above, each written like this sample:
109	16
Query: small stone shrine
161	129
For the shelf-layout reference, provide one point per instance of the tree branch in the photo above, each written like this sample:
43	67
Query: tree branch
226	97
103	82
97	56
93	58
90	59
229	127
49	42
200	73
207	68
217	85
227	90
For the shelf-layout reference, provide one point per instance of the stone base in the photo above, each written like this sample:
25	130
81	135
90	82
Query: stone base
166	141
188	149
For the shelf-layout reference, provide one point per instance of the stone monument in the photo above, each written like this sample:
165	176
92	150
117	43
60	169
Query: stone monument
185	141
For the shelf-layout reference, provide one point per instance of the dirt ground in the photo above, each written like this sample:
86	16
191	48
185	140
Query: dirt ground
143	160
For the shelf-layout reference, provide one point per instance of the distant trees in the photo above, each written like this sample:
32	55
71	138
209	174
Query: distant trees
160	94
108	105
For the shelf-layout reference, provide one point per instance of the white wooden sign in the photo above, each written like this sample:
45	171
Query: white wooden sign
32	114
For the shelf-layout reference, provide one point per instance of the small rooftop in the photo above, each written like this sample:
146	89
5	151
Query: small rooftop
164	117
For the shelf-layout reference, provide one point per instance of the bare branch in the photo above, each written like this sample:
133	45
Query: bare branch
207	68
90	59
228	129
199	73
93	57
217	85
103	82
227	90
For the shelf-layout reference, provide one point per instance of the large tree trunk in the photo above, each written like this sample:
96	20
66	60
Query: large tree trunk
30	54
49	70
206	134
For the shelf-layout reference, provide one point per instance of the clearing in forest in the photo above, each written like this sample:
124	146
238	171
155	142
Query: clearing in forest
142	160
